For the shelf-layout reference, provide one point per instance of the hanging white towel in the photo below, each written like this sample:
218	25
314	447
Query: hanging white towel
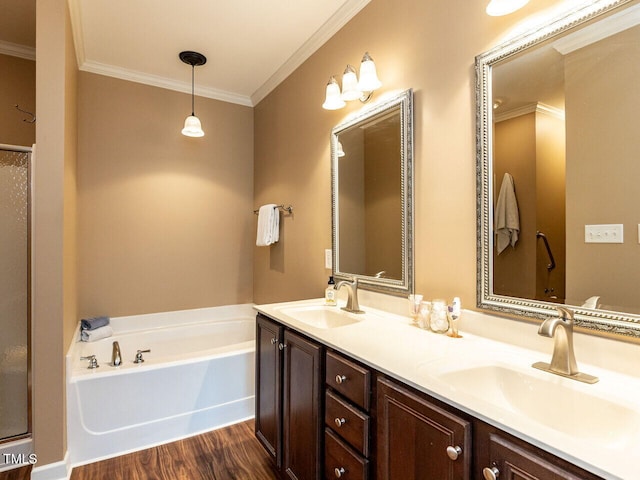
507	218
268	225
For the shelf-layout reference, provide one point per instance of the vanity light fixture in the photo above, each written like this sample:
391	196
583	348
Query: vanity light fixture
352	88
192	125
497	8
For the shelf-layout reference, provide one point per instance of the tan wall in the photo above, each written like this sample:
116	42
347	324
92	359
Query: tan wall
165	221
429	46
515	153
614	196
53	250
17	87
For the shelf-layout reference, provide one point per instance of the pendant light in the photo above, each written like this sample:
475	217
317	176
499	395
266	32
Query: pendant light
192	125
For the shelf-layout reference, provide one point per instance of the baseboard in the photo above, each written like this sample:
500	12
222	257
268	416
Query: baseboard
53	471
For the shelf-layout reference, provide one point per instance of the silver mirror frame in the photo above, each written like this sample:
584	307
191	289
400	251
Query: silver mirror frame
618	323
405	285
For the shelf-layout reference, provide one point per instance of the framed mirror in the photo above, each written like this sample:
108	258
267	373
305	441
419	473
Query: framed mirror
372	196
558	155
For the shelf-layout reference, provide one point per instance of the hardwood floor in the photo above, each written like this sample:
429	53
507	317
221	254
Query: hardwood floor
231	453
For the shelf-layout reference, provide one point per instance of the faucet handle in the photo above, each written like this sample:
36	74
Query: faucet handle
93	362
139	353
566	314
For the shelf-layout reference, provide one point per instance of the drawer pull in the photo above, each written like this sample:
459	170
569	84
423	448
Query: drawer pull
340	379
454	452
490	473
339	422
339	472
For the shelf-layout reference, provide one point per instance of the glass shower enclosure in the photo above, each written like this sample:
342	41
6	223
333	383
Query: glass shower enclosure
15	298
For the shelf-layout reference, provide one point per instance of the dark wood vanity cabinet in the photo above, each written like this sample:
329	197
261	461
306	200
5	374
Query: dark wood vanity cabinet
347	419
325	416
289	388
501	456
418	440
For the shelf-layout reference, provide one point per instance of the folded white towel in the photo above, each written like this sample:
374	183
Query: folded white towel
268	225
96	334
507	218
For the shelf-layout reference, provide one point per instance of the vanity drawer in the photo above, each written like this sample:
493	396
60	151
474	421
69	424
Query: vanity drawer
342	462
351	380
348	422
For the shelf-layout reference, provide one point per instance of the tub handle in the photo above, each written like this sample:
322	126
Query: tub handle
139	353
93	362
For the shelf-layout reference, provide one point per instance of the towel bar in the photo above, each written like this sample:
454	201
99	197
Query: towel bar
288	209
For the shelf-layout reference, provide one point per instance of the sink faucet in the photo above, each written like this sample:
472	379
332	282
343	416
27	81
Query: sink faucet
563	360
352	301
116	358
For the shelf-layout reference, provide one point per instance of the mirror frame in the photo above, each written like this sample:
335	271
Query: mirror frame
619	323
405	285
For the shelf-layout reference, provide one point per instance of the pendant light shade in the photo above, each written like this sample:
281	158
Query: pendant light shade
192	125
333	100
368	76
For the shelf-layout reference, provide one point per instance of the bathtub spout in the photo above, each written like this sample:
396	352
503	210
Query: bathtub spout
116	358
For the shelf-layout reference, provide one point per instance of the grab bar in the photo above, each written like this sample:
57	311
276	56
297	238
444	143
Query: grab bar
552	263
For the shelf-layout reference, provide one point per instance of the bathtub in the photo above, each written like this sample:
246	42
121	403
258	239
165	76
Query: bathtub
198	376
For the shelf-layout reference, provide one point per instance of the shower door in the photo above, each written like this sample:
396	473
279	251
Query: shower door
14	290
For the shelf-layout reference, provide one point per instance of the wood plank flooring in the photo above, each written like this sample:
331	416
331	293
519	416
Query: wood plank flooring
230	453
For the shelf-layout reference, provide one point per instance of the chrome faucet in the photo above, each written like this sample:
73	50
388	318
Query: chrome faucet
352	301
563	360
116	358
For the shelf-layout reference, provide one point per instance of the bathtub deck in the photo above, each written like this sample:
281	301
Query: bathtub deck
231	453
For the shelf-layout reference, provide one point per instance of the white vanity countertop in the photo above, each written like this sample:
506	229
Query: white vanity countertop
601	435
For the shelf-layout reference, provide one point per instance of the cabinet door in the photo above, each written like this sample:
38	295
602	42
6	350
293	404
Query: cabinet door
414	435
510	462
268	421
302	398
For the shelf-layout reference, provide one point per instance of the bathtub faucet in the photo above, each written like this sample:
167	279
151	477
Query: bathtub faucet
116	358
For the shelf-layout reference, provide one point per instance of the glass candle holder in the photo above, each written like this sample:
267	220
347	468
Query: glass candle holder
439	321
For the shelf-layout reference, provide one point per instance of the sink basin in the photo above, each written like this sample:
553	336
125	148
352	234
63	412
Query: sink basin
551	402
320	316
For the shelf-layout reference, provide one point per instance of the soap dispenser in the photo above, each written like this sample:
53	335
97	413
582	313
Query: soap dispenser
330	293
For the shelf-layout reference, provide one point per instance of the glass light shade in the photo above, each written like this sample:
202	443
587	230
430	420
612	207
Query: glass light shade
497	8
339	150
368	75
350	85
192	127
333	101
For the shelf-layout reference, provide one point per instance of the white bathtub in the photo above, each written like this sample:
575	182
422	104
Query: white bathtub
198	376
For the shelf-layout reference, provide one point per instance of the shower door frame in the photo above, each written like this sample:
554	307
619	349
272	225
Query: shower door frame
29	151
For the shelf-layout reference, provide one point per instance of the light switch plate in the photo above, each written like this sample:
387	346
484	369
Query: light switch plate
328	259
611	233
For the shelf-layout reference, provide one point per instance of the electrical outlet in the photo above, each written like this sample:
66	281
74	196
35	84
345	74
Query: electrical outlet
612	233
328	259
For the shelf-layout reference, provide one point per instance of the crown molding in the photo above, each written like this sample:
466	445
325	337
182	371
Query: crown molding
163	82
17	50
319	38
607	27
529	108
78	32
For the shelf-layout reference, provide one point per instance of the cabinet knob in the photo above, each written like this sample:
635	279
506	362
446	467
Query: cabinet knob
490	473
340	379
282	346
274	340
339	472
339	422
454	452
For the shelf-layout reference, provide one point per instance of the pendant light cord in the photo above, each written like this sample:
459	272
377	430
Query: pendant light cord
192	91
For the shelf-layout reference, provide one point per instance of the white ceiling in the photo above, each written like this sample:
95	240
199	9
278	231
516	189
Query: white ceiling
251	45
